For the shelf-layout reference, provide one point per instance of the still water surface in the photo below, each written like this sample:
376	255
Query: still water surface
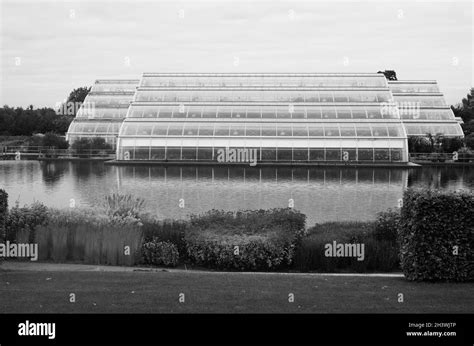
323	194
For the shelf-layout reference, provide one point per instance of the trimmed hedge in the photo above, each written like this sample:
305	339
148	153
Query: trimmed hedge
3	213
246	240
433	224
158	253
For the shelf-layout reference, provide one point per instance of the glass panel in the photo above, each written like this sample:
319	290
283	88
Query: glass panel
326	97
130	130
145	129
358	113
175	130
300	154
329	112
207	112
160	129
253	113
188	153
165	112
354	96
374	113
383	97
284	154
331	131
221	130
381	155
268	130
268	154
396	154
238	113
283	112
190	129
206	130
252	130
142	153
379	131
224	112
268	112
283	130
347	131
148	112
101	128
157	153
413	129
312	96
315	130
237	130
316	154
344	113
313	112
393	131
333	154
299	113
340	96
173	153
365	155
205	154
300	130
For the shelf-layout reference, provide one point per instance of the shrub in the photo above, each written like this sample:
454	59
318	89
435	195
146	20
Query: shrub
25	219
172	231
386	225
432	224
3	212
51	139
379	254
246	240
157	252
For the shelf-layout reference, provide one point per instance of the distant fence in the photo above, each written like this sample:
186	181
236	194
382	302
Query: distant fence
51	152
441	157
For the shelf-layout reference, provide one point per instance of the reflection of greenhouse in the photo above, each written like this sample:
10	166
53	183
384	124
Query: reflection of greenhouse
305	118
103	110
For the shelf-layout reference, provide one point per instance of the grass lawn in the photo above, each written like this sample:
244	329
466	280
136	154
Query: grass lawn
158	292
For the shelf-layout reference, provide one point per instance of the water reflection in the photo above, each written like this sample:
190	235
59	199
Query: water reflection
323	194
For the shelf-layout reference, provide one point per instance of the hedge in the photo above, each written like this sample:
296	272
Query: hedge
246	240
437	235
3	213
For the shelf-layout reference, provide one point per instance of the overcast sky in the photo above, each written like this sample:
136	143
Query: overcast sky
50	47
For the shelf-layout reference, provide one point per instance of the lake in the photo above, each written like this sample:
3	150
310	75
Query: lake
323	194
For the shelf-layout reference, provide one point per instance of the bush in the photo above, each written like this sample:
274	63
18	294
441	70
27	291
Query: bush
158	253
386	225
432	224
3	213
51	139
246	240
25	219
172	231
379	254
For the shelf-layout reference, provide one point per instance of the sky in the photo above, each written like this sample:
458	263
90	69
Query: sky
48	48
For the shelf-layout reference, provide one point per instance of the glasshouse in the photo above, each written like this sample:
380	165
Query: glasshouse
103	111
283	118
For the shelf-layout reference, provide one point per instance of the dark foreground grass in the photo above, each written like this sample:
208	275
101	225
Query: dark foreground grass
157	292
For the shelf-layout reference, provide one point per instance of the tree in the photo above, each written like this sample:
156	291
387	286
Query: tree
465	109
74	101
389	74
51	139
79	94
